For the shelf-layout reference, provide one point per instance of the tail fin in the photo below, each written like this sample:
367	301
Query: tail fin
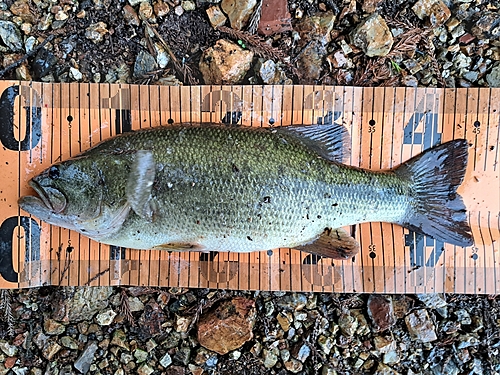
438	211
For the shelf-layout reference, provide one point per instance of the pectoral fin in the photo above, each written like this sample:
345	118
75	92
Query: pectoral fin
179	246
140	184
333	243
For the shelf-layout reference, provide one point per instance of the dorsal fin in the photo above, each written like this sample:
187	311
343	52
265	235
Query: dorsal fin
331	141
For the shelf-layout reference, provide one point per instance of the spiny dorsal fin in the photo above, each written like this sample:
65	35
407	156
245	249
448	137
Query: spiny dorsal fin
331	141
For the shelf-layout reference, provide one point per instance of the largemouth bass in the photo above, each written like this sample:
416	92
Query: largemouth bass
242	189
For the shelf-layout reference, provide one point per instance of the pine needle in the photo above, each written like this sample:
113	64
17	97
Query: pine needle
256	44
6	308
125	308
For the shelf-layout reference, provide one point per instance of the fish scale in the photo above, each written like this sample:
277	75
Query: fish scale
206	188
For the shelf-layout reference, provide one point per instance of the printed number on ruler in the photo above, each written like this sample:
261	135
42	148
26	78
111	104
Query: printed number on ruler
311	268
425	117
10	124
232	102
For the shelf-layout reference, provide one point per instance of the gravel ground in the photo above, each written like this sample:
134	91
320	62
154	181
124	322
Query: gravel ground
134	330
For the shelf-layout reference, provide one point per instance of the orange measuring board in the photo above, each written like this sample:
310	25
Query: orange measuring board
42	123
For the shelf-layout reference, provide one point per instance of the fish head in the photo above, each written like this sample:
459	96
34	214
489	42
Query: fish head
68	192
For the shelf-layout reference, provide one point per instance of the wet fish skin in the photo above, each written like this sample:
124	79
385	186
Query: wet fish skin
217	188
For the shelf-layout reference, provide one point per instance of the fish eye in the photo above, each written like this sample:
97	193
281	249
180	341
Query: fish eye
54	172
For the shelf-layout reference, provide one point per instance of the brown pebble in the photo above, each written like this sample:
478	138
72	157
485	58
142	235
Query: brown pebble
10	362
381	312
227	327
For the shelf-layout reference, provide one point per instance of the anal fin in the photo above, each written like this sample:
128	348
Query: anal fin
332	243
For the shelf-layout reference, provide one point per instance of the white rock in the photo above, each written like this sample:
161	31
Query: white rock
166	360
75	74
106	317
8	349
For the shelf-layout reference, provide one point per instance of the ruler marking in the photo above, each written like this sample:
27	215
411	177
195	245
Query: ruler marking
488	124
476	267
61	133
493	252
393	246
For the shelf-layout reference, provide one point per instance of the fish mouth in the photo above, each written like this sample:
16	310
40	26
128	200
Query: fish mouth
52	198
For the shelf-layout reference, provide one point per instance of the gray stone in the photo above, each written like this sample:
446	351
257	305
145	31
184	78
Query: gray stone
140	355
420	326
271	73
285	354
75	74
30	43
348	324
304	353
69	342
51	327
179	10
120	339
432	301
20	370
373	36
326	343
391	357
77	304
463	317
135	2
145	369
85	359
315	34
467	340
471	76
385	370
270	357
162	57
11	36
144	64
238	12
436	10
295	301
493	78
8	349
96	31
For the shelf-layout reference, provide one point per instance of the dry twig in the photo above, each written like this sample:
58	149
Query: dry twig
182	70
27	56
